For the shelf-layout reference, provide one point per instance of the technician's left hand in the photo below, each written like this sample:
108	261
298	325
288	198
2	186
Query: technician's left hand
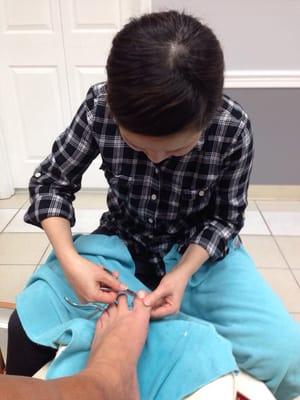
167	297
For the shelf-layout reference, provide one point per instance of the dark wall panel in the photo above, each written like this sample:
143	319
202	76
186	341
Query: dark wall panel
274	114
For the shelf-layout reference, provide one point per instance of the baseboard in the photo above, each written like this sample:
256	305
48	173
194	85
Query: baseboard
268	192
274	192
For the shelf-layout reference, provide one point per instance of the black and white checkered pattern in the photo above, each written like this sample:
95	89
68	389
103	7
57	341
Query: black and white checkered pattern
196	198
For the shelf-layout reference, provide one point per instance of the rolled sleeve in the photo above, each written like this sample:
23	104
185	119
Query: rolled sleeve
58	176
230	197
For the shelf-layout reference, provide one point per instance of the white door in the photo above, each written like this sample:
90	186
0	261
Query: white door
34	104
51	51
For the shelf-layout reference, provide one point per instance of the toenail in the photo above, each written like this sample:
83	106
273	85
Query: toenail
147	303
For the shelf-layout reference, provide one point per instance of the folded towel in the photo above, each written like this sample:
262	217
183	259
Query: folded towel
181	353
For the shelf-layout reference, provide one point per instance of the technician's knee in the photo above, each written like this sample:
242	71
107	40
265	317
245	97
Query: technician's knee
284	367
277	359
289	346
289	357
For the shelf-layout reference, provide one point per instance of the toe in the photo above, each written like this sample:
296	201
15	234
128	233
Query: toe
112	310
139	307
123	302
103	319
98	325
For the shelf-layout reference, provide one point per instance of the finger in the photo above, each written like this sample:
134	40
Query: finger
154	297
159	304
104	297
111	281
116	274
162	311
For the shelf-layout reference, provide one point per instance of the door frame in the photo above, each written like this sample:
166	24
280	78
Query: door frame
6	183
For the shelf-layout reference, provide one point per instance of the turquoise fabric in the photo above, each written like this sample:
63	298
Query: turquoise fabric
181	353
231	319
233	295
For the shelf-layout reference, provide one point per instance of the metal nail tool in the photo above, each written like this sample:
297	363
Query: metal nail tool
96	306
127	291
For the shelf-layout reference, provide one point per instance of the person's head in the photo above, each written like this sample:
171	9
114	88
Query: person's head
165	75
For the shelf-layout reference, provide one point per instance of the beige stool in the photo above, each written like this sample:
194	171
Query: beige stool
228	387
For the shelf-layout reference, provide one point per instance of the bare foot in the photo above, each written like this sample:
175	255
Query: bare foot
119	339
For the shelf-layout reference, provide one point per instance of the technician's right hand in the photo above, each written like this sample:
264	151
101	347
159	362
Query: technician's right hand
86	278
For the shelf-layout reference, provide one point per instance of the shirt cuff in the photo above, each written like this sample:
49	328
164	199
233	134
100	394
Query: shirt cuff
212	240
46	206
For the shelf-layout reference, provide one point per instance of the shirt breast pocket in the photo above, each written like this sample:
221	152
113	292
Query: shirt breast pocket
194	199
118	183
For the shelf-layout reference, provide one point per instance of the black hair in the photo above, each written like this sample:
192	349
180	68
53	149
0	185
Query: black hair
165	74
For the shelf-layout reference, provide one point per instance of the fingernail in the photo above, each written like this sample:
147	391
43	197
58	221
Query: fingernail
123	287
141	294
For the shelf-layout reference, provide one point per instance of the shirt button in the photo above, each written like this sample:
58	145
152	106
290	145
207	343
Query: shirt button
37	174
153	197
156	170
201	193
150	220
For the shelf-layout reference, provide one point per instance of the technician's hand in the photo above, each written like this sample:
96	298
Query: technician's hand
167	297
86	278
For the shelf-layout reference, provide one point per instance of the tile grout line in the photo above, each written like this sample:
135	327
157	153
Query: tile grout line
18	209
263	218
281	252
39	262
24	203
5	226
290	268
15	264
277	244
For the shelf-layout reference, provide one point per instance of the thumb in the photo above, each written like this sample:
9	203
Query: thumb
154	297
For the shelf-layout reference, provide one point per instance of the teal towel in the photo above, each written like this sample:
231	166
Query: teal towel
181	353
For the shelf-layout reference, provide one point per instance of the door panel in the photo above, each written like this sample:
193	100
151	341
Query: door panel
34	103
51	52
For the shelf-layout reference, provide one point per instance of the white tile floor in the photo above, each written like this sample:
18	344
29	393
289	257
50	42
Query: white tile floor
271	235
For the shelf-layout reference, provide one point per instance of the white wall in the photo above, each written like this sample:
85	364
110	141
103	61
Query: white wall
261	43
260	38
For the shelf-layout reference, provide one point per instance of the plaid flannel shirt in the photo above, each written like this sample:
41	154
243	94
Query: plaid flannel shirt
197	198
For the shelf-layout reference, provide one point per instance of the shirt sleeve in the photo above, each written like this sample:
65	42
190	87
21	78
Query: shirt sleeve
58	176
230	197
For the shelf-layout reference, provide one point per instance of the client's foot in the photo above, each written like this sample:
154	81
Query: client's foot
119	339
